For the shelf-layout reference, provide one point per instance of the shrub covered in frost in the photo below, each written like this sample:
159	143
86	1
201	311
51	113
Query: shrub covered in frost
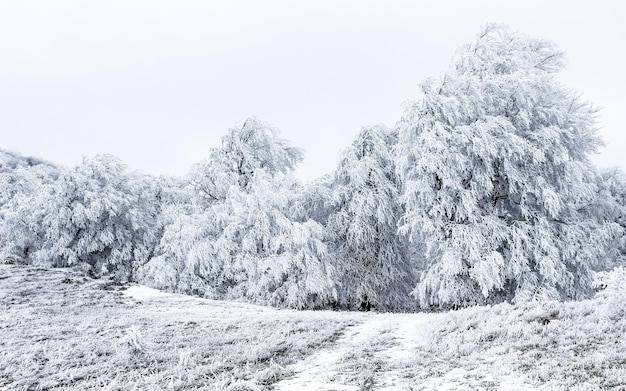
612	287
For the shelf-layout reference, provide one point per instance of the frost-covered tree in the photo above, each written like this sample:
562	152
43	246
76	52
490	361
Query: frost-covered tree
254	148
370	256
311	201
610	206
22	174
273	259
238	240
23	181
496	174
100	217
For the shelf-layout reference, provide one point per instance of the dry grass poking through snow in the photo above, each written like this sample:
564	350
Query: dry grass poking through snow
62	330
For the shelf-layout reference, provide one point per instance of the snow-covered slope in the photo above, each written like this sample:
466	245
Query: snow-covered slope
62	330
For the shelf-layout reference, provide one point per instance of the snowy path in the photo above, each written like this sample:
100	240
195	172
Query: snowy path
380	352
371	355
63	330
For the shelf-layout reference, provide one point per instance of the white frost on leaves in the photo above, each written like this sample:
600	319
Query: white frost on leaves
498	189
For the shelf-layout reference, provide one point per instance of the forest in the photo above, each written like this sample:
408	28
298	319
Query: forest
483	192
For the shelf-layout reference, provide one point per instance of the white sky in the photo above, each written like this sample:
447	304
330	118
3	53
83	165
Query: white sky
158	83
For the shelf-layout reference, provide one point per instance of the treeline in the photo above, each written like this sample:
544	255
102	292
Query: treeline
482	192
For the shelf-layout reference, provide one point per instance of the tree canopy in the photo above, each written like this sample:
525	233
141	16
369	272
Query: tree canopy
495	165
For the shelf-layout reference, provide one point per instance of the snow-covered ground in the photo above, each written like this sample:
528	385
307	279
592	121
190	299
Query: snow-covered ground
62	330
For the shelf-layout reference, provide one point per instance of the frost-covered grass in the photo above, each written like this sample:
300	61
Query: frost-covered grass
62	330
560	345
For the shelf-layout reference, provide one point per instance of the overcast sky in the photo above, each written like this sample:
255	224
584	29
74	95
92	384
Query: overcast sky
158	83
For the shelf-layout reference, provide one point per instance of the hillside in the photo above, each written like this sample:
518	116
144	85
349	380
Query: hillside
63	330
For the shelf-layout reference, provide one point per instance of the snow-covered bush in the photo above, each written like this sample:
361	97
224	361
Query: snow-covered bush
132	350
612	288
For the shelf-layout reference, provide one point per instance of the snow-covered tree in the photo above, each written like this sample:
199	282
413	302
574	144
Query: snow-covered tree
100	217
23	181
496	172
253	148
610	206
22	175
238	239
371	258
273	259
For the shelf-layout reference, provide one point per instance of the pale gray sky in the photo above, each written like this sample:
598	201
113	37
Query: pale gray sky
158	83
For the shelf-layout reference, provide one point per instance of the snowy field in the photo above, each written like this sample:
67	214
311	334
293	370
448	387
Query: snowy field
62	330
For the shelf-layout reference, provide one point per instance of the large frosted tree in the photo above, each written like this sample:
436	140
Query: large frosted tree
494	160
237	240
370	256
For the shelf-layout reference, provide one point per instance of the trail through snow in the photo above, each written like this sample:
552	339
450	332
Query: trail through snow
380	352
392	338
62	329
